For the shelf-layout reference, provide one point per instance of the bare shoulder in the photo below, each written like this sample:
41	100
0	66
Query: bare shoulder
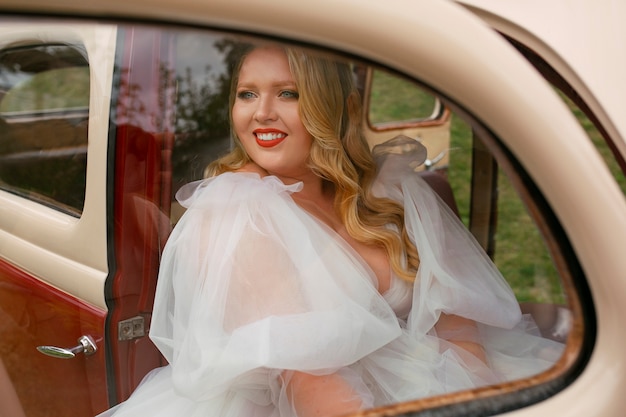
254	168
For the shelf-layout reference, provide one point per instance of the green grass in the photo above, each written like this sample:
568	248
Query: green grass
520	252
62	88
395	99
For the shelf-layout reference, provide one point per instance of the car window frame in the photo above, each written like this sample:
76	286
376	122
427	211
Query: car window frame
491	399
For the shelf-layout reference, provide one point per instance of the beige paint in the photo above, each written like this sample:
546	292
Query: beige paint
583	40
68	253
433	133
456	53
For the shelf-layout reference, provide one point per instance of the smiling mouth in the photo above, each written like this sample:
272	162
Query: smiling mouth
269	139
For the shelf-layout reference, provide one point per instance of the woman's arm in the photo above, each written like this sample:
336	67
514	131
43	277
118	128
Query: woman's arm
461	332
321	395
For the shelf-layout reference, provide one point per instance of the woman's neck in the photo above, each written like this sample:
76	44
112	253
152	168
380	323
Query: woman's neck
317	191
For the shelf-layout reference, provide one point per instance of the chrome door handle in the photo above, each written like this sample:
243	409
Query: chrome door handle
86	345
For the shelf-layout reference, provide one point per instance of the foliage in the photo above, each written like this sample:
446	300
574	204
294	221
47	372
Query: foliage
61	88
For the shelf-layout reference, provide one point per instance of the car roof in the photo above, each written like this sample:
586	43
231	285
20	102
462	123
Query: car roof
582	40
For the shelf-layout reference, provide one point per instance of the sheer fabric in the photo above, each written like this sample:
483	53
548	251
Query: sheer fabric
252	287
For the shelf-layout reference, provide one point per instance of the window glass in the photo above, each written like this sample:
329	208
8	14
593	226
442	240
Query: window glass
170	119
44	109
202	68
514	240
516	245
522	255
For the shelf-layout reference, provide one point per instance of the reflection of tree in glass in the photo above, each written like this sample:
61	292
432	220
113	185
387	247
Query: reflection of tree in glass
194	106
201	107
202	124
129	99
43	123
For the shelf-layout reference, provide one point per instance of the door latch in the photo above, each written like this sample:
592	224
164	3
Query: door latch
130	329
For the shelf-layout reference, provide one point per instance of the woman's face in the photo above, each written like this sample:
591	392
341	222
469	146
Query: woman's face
265	114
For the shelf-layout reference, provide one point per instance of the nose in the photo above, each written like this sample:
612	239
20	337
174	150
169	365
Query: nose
265	110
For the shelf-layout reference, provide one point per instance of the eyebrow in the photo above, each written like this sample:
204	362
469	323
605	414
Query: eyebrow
279	84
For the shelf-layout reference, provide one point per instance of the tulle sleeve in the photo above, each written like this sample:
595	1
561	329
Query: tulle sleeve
249	282
455	275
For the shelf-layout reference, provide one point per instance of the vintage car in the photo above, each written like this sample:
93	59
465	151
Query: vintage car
107	108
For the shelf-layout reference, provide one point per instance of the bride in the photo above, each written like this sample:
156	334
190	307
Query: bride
311	276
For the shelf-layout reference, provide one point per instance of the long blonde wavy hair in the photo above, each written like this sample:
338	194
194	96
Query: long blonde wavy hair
330	109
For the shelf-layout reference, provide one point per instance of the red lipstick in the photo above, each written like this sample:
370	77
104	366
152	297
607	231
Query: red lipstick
269	138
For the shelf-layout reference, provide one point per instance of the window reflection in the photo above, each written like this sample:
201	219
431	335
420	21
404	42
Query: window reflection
196	109
205	86
44	109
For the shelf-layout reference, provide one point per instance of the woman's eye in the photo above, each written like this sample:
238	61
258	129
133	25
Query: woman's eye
289	94
245	95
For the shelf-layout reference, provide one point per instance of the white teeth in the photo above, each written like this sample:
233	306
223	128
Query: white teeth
270	136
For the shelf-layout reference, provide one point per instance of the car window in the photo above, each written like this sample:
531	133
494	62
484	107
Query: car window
201	66
44	108
497	209
513	239
169	104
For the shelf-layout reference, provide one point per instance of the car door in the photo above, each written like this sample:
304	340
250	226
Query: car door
53	243
83	178
138	199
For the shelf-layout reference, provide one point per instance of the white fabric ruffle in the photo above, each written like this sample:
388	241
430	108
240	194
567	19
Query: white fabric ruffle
251	287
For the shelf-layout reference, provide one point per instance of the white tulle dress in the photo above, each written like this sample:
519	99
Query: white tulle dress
252	286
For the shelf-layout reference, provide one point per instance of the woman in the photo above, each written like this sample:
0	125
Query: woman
309	277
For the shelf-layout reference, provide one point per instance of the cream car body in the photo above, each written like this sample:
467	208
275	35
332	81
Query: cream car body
454	50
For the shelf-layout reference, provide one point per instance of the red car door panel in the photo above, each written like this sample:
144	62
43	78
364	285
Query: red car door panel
34	314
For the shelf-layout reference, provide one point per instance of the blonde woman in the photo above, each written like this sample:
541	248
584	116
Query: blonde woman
312	277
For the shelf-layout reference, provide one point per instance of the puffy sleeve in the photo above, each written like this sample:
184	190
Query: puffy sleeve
250	282
455	275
